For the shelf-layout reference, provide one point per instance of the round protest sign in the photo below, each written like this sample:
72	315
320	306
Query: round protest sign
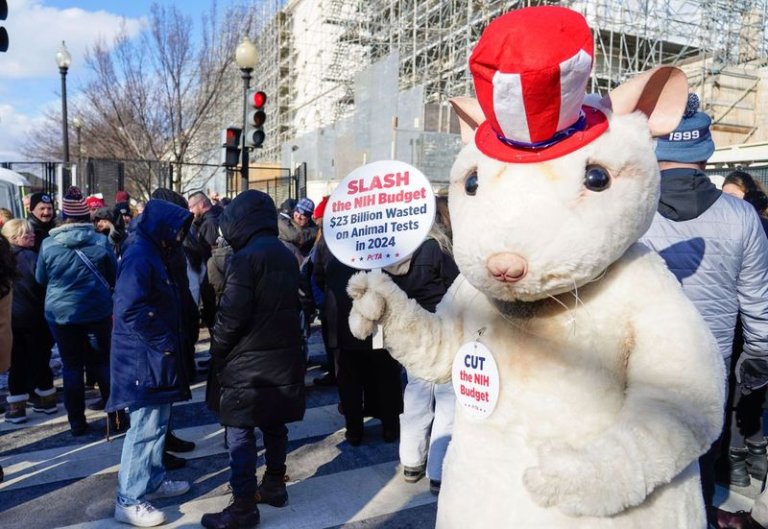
475	378
379	214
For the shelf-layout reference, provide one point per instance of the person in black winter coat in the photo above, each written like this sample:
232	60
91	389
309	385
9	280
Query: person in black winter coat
257	357
41	216
205	231
368	379
207	216
109	222
32	341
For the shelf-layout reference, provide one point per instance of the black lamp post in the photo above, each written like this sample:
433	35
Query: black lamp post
78	124
63	60
246	58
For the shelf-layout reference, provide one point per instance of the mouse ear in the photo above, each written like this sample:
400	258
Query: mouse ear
661	94
470	116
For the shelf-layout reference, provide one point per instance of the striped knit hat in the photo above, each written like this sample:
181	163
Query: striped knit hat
73	205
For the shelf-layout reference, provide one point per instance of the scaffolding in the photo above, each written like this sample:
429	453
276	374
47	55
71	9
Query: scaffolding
274	75
313	50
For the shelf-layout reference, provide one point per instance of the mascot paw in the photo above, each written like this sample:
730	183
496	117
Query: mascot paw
567	478
358	285
368	305
360	327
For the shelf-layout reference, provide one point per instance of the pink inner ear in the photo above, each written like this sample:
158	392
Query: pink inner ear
660	94
470	116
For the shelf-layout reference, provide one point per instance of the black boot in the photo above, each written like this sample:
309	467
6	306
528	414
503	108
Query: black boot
737	461
172	462
174	444
242	513
757	459
272	489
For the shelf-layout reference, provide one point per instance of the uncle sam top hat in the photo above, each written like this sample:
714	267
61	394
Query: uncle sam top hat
530	69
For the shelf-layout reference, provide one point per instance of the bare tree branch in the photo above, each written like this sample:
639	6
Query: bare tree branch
161	96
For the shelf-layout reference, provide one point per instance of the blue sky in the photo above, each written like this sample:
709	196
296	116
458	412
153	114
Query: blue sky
29	77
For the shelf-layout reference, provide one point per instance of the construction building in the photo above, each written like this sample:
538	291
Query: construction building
352	81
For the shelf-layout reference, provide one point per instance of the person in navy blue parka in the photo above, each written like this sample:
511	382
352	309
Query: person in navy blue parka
148	372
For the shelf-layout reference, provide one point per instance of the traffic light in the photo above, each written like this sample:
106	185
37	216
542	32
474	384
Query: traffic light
230	140
3	31
255	118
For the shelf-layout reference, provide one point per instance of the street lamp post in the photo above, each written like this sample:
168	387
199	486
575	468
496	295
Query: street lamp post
63	60
246	57
78	124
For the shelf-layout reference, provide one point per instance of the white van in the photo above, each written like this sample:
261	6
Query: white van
13	186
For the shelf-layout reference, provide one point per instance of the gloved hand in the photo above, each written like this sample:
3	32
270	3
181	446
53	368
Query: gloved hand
751	373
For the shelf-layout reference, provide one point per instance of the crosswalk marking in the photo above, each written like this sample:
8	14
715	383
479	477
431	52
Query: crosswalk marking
331	483
317	503
60	418
56	464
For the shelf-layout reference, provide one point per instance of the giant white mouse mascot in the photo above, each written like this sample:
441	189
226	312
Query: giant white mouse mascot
609	383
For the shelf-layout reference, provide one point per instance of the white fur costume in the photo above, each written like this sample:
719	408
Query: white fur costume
610	383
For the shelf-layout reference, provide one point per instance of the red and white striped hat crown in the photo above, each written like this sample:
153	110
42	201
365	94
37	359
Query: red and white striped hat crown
531	68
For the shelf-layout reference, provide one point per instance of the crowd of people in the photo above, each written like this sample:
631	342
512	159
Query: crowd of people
122	292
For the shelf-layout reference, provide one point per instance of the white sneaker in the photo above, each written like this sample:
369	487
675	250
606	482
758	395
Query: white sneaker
168	489
139	515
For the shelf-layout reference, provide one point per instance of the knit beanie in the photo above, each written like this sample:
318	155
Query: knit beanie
288	205
124	208
122	196
73	206
94	202
36	198
105	213
691	141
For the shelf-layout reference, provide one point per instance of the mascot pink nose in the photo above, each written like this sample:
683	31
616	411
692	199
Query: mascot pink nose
507	267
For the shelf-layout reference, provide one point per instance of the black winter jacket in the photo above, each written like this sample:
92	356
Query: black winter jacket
28	294
208	229
429	276
256	343
41	229
334	280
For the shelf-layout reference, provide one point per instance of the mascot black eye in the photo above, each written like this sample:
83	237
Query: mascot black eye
596	178
470	184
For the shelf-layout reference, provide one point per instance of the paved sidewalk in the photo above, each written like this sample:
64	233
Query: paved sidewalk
53	480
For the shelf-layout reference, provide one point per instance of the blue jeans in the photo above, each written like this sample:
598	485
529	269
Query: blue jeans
426	425
83	345
243	456
141	465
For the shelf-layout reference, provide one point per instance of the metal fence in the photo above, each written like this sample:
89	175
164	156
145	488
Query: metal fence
139	177
278	183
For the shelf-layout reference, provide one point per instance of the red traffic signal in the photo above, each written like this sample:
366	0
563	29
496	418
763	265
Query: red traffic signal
258	99
230	141
255	118
231	137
